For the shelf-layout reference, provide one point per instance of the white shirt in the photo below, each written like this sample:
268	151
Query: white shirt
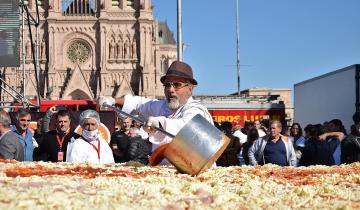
144	135
80	151
242	137
170	121
261	133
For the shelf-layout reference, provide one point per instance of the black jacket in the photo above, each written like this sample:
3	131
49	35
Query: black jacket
50	146
139	150
350	149
119	144
317	152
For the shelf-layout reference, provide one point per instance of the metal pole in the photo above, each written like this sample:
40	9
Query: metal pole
14	96
237	46
179	31
37	48
357	86
38	56
23	46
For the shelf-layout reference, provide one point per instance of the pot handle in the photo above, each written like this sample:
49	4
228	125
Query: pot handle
115	109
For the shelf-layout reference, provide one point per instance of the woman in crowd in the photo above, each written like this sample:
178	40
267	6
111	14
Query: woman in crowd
297	134
299	139
253	134
90	147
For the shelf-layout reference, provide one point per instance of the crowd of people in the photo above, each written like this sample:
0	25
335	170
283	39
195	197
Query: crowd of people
257	143
269	142
19	142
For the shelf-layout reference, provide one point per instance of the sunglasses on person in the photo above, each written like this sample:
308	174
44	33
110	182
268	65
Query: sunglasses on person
176	85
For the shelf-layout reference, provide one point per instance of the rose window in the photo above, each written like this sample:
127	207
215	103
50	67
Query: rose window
78	52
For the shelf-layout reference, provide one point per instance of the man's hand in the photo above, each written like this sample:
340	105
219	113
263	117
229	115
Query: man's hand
53	110
341	136
105	100
323	137
151	123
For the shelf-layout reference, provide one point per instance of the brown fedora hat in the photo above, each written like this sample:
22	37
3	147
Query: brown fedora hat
180	69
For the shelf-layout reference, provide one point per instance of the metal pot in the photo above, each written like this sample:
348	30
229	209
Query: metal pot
195	148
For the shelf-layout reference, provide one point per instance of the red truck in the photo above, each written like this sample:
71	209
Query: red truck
238	110
71	105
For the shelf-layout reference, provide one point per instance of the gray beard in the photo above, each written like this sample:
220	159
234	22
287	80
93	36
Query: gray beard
174	104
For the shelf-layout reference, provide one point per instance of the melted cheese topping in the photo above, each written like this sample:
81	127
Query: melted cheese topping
84	186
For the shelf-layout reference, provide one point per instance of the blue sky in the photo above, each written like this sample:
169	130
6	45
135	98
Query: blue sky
282	42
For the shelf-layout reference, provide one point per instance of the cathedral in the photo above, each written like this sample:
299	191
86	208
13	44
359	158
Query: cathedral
91	48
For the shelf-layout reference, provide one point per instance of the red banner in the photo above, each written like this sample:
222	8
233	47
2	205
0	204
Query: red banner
238	117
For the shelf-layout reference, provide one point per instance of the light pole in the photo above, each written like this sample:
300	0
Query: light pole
179	32
237	47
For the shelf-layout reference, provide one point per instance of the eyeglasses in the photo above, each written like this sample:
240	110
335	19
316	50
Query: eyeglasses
176	85
24	120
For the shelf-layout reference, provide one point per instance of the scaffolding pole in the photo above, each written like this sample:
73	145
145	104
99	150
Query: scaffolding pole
24	48
237	47
179	32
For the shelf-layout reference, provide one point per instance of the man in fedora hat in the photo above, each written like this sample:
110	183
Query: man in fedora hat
171	113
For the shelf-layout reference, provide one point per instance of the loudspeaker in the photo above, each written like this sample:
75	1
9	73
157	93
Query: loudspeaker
9	33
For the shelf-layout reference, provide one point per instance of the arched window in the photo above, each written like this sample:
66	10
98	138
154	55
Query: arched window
79	95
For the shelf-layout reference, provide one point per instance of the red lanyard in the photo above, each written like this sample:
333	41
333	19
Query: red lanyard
97	149
61	141
176	112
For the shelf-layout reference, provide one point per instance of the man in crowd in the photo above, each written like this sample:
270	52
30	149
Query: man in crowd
138	149
55	142
23	133
240	133
259	128
119	142
39	137
275	149
170	114
91	147
229	156
318	149
144	135
10	147
350	147
336	125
